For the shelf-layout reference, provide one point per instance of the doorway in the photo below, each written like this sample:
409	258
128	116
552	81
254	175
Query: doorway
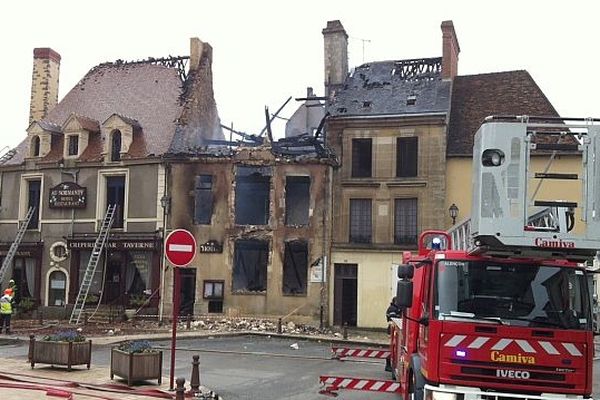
113	282
345	292
188	290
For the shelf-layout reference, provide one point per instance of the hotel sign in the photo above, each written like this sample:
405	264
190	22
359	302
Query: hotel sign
68	195
212	246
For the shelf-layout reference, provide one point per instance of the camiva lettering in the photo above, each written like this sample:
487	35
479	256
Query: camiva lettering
558	243
511	358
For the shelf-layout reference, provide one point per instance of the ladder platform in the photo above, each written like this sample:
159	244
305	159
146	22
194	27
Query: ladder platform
554	175
555	203
556	146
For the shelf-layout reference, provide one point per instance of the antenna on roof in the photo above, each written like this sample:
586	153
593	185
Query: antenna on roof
363	45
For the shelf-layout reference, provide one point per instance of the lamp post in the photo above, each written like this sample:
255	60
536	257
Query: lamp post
453	210
165	202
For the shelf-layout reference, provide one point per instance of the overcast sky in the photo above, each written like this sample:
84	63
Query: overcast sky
265	51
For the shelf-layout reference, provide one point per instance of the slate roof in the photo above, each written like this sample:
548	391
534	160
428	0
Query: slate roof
384	88
474	97
147	94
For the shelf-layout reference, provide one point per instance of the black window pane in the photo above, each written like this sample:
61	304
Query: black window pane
203	199
360	221
407	150
405	221
252	196
295	267
250	266
33	200
115	149
361	158
73	145
115	194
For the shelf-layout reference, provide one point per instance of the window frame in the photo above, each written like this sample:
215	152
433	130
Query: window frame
72	144
368	239
397	226
358	158
407	156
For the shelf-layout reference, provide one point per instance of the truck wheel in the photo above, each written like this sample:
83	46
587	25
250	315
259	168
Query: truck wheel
417	381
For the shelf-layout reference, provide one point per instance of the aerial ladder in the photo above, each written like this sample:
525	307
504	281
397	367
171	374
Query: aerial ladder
90	270
7	263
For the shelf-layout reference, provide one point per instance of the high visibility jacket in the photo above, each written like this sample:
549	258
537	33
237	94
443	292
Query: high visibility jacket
6	304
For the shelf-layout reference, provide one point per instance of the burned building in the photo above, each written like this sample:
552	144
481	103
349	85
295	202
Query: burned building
101	146
259	212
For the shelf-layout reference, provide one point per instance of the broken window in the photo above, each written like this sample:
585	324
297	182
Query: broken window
405	221
203	199
360	221
361	158
407	150
295	267
250	266
252	195
297	200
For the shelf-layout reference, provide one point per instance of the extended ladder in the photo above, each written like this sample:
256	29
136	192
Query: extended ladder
15	245
88	276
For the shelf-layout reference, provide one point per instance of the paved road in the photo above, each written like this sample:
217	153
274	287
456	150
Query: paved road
262	375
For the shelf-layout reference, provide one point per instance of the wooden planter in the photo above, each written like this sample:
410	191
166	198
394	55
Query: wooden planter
136	366
60	353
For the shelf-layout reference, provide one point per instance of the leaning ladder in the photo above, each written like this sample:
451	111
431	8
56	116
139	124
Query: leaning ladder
88	276
15	245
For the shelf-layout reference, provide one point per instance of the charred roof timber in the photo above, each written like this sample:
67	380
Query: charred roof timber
418	69
177	62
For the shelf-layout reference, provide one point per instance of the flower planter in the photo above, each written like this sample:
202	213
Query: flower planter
136	366
60	353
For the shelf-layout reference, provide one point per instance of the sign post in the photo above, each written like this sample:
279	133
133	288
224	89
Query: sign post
180	249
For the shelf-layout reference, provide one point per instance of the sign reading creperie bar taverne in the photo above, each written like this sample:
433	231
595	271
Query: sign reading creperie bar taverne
68	195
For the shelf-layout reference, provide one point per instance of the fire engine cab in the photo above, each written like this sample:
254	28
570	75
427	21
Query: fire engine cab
499	307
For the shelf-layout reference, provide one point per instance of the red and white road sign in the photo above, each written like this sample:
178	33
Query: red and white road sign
180	247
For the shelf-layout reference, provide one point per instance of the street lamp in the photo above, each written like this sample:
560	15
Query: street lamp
453	210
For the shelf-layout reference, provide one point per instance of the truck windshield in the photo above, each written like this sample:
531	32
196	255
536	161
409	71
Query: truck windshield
515	294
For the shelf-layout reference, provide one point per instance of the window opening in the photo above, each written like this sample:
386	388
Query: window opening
406	156
252	195
297	200
73	145
295	267
250	266
115	146
36	146
213	292
203	199
405	221
360	221
361	158
115	194
33	200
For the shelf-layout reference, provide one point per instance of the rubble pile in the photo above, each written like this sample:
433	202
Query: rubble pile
252	325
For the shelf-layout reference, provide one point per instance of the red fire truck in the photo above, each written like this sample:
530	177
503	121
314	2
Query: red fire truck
499	307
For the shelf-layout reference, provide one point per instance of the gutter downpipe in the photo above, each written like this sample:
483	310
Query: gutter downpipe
163	260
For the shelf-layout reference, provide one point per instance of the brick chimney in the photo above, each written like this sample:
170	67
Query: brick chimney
336	55
450	50
44	83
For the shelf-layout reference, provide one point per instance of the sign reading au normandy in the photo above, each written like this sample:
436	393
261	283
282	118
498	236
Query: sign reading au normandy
68	195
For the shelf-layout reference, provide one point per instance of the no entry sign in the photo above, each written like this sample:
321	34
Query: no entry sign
180	247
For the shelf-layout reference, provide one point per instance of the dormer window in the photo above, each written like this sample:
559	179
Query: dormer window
115	146
35	146
73	143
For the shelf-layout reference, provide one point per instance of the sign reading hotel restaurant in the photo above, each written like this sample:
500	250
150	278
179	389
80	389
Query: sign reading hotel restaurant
212	246
68	195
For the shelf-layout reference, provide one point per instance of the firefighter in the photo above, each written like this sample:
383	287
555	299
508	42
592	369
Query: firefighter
6	310
393	311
